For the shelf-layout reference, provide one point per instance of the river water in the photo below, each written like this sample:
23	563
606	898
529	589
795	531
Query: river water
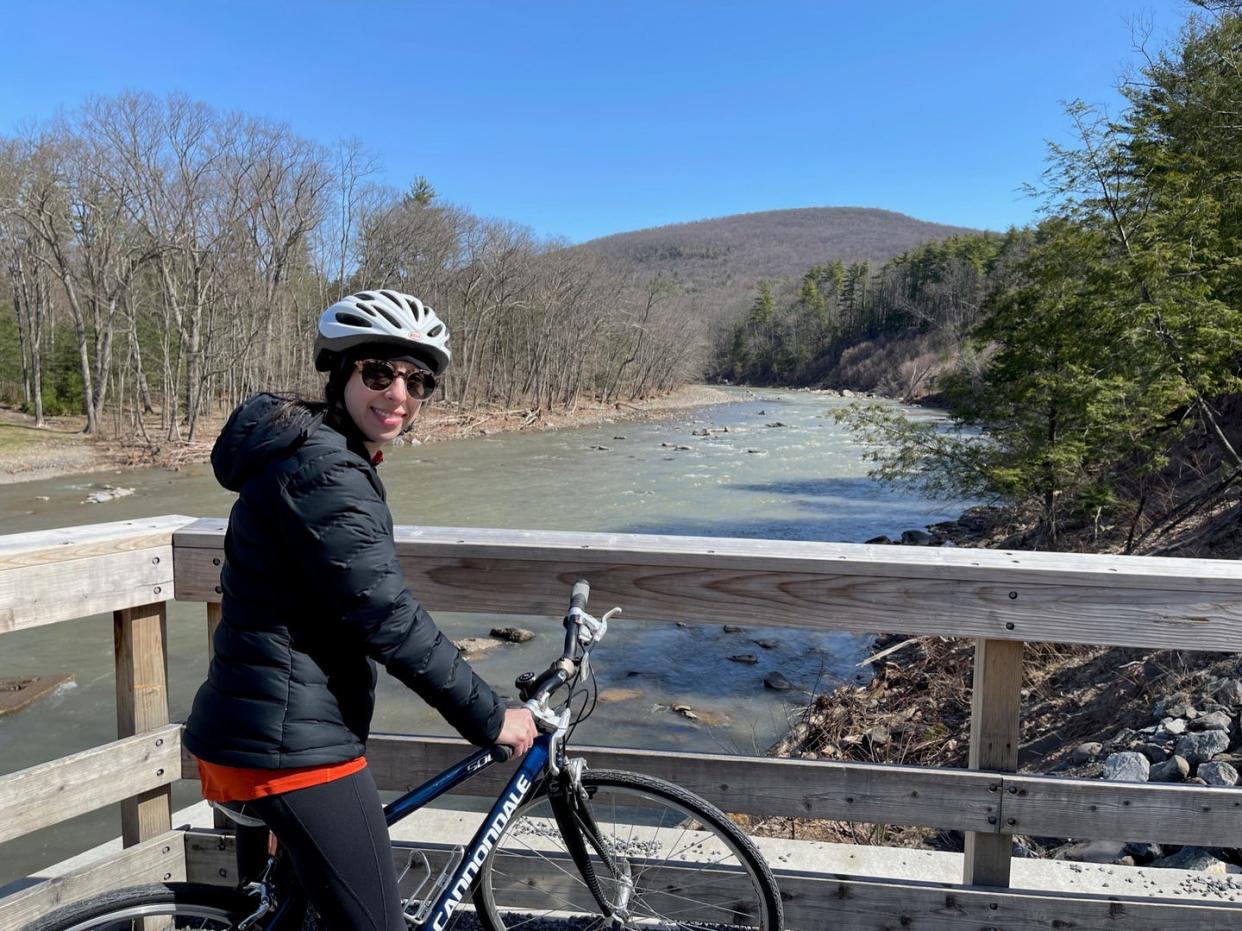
784	469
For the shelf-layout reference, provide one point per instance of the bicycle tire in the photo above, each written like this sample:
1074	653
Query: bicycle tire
691	868
191	906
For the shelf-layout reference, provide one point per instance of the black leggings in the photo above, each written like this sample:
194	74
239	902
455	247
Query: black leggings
337	840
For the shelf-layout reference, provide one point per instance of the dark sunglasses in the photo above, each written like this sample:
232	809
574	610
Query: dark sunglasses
378	376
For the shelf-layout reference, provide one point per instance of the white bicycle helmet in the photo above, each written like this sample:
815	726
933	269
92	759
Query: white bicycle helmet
388	317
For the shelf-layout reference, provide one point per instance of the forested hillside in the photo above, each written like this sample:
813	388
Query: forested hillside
717	264
1093	364
159	260
891	329
769	244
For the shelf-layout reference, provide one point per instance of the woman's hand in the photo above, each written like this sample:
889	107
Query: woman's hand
517	731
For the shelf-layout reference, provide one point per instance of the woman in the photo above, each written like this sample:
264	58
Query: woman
312	596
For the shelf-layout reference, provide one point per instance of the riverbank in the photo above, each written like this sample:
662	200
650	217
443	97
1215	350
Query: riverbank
31	454
1088	712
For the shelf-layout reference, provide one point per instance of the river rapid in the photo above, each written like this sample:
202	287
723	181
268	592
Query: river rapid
784	469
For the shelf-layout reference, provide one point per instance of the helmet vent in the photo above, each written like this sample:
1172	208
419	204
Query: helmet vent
436	330
392	297
353	320
379	309
365	296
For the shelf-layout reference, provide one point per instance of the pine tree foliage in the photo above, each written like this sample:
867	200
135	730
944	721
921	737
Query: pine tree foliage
1119	333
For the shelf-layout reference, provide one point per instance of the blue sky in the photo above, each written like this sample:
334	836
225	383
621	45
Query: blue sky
581	119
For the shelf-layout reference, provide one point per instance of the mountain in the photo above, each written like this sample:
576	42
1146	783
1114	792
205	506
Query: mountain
737	251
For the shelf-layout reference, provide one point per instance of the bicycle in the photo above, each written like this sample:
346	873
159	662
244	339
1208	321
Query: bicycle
562	847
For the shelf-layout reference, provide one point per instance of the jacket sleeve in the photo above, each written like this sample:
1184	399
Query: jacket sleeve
344	532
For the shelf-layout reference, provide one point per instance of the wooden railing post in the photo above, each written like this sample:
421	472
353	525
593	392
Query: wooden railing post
213	621
140	637
995	717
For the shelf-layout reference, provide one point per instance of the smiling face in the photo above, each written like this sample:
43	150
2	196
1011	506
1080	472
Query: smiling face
381	415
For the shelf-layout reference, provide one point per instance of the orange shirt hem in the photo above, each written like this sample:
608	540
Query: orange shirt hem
242	784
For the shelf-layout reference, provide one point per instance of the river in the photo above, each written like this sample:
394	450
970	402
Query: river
784	469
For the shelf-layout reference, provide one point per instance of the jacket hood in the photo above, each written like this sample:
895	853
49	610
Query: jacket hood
261	429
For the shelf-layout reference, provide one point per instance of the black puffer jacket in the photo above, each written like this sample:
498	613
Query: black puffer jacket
313	596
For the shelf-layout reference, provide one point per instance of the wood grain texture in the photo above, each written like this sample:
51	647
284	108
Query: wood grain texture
747	785
59	591
995	726
1124	811
847	903
160	859
140	639
953	799
50	793
790	556
1160	604
63	544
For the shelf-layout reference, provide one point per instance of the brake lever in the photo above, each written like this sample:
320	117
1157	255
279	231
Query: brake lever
592	629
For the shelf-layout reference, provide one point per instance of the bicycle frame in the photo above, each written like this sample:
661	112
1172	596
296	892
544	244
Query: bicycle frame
459	884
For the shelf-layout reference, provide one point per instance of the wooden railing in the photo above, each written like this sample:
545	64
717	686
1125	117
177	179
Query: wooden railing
999	599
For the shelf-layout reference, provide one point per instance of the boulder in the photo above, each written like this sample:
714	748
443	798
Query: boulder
1157	753
1095	851
1202	746
917	538
748	658
732	629
108	493
777	682
1144	852
1175	709
1229	692
881	540
1217	774
1192	858
767	644
1212	721
475	646
1174	769
1086	752
513	634
1126	766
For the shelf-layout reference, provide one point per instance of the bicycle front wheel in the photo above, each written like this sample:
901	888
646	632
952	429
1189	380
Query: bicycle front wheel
669	860
161	907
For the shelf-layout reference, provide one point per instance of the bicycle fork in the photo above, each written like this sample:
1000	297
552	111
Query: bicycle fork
572	810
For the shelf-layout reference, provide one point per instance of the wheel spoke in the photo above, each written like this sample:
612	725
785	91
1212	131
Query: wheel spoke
663	858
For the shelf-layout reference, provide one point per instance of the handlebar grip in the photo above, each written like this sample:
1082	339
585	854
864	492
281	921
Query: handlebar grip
500	752
578	598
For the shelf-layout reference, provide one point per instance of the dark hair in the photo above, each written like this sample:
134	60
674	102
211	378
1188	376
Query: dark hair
331	410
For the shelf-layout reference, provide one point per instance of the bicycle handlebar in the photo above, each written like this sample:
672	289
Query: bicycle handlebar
577	604
528	684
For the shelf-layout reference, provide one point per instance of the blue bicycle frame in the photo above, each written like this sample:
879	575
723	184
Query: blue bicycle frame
459	884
